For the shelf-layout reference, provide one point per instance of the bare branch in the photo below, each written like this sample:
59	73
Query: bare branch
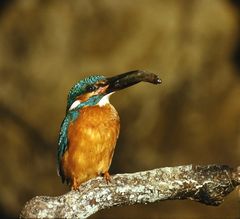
206	184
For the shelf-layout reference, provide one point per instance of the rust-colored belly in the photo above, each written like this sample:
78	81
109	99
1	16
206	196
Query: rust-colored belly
92	139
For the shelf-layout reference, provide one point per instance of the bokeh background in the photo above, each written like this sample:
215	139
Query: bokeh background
192	118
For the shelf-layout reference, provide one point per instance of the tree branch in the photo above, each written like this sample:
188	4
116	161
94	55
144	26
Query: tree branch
206	184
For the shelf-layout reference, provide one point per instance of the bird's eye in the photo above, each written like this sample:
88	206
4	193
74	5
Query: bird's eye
91	88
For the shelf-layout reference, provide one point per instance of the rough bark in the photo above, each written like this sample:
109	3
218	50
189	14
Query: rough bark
206	184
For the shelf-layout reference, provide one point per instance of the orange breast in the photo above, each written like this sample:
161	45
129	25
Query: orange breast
92	139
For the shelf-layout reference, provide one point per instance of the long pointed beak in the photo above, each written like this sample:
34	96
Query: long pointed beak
128	79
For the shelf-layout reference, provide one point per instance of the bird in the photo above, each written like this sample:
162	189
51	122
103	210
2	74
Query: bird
90	129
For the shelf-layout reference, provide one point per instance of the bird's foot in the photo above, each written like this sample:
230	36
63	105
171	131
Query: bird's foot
75	184
107	177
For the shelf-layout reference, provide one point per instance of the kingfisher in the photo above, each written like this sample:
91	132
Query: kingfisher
90	129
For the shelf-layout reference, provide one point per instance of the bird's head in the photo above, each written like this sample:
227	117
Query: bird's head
96	89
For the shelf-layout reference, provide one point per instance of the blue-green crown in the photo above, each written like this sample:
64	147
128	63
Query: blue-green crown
81	87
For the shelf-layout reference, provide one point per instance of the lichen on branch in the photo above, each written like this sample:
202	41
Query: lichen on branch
206	184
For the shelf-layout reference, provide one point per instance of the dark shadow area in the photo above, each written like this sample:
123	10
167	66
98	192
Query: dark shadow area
4	4
236	51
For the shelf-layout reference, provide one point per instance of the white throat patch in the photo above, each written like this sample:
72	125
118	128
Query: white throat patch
74	104
104	100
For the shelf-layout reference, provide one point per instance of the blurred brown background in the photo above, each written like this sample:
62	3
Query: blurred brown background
193	117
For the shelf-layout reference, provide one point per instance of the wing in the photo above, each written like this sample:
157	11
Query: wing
63	140
62	145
